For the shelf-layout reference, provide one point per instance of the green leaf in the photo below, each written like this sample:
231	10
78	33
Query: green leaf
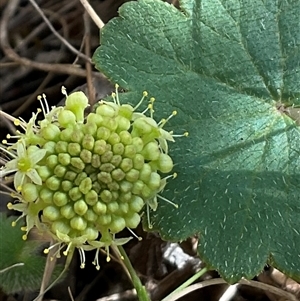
14	250
230	68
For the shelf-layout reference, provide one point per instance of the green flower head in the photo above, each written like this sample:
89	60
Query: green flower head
85	179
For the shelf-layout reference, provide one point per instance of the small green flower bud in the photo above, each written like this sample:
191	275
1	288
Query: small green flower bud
66	134
126	111
104	219
74	149
151	151
77	135
126	164
99	208
145	172
105	110
138	161
100	147
138	187
147	192
110	123
118	148
88	142
115	195
136	204
86	185
80	207
118	174
53	183
91	233
141	127
123	208
108	167
104	177
113	186
60	198
86	156
75	193
66	185
165	163
123	123
70	175
125	186
52	161
94	118
125	197
44	172
30	192
132	221
91	197
107	156
90	170
103	133
154	181
138	143
78	223
80	177
66	118
116	160
132	175
113	139
112	207
64	159
90	128
61	226
61	147
46	195
97	186
125	137
95	162
50	132
32	149
129	151
51	213
117	224
60	170
78	163
106	196
67	211
49	146
77	102
90	215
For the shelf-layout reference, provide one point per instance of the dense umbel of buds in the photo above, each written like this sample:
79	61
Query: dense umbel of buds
85	179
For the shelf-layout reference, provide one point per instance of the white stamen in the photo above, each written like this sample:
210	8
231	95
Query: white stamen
96	260
148	217
137	237
82	257
145	94
168	201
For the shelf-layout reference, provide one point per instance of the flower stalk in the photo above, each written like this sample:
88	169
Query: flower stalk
139	287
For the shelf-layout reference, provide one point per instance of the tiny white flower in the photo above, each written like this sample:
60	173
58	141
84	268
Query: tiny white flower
24	164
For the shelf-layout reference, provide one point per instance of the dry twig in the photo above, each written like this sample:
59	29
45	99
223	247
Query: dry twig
10	53
92	13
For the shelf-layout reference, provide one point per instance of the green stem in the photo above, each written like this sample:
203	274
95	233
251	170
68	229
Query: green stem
186	283
140	289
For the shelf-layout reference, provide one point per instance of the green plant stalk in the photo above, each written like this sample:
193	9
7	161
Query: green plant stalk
187	283
140	289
